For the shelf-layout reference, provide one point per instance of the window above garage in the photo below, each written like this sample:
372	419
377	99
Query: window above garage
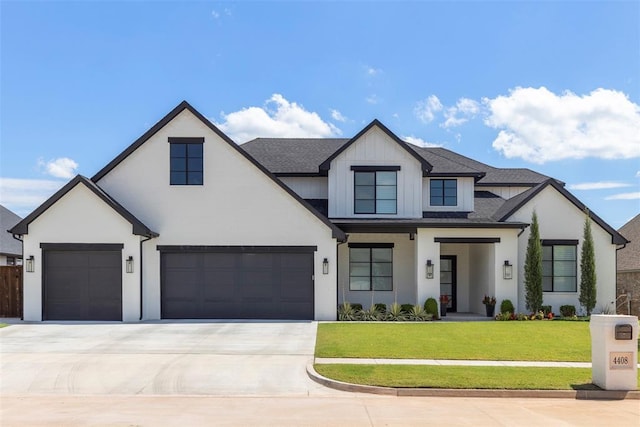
186	164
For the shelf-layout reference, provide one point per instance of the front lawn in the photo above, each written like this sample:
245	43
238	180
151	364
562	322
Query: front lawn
479	377
530	340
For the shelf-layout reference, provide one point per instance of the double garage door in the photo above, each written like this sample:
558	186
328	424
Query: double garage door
82	282
236	282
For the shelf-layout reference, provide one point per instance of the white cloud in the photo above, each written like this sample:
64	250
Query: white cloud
603	185
337	116
62	167
624	196
285	120
419	141
215	14
24	195
371	71
638	174
425	110
372	99
464	110
539	126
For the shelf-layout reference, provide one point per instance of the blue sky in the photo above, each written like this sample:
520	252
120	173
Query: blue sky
551	86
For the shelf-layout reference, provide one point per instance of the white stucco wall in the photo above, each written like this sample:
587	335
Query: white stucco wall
308	187
558	218
375	148
80	217
465	191
404	290
237	205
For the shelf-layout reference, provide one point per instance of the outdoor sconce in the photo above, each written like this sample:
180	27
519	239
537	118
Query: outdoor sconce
325	266
129	264
29	264
412	236
507	270
429	269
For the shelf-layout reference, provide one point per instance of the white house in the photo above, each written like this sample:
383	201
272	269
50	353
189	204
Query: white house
185	223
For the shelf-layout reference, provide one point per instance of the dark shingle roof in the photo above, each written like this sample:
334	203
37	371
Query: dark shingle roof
8	245
629	257
292	155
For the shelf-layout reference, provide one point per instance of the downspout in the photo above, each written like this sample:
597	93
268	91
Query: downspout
141	275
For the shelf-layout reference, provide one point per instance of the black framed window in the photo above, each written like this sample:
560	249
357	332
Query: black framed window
186	161
370	267
443	192
559	267
375	191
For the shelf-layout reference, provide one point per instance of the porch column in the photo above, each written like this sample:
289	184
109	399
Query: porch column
427	249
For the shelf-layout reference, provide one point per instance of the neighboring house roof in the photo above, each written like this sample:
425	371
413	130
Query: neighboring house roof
426	166
629	256
184	105
515	203
138	227
9	245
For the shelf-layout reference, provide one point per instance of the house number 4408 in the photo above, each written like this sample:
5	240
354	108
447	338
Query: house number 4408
620	360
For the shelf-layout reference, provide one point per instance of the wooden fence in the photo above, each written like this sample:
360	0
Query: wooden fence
10	291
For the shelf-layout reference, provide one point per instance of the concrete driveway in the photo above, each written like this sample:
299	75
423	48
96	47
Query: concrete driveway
178	358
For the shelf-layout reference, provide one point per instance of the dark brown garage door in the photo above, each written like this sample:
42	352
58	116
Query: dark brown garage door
82	282
237	282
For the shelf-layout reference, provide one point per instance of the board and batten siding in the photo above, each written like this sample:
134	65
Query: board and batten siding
80	217
559	219
237	205
375	148
465	195
308	187
505	192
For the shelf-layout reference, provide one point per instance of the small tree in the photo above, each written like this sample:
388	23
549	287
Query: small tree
533	268
587	268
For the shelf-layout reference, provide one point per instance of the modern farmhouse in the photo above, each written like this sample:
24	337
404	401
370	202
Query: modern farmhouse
185	223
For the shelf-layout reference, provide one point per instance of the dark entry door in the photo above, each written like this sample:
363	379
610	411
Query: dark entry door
448	281
237	283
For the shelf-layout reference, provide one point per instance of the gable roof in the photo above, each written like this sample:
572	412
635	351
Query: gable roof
184	105
8	245
326	165
629	256
515	203
138	227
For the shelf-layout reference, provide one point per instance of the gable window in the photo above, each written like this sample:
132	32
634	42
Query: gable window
186	161
559	265
375	189
443	192
371	267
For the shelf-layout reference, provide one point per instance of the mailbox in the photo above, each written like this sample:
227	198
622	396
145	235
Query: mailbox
623	332
614	351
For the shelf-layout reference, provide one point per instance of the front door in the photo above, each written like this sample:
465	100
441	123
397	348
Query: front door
448	280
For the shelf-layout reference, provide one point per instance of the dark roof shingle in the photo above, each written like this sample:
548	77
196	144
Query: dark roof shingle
8	245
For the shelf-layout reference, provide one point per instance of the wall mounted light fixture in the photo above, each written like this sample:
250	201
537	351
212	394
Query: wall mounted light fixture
29	265
129	264
507	270
429	269
412	236
325	266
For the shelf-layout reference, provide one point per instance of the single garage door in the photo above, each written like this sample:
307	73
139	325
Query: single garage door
82	282
237	282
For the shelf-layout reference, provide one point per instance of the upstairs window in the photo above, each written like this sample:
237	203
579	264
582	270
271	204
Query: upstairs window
375	189
186	161
443	192
559	266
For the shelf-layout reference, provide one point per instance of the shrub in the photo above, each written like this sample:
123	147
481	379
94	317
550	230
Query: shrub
506	306
568	310
504	315
395	313
431	307
546	309
346	312
371	314
406	308
356	306
382	308
417	313
522	316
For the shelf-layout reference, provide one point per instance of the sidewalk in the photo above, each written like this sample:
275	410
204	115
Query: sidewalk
434	362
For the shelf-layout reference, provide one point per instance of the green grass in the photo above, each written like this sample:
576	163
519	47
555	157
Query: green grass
2	325
477	377
530	340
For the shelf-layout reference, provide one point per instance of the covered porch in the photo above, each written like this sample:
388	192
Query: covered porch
410	265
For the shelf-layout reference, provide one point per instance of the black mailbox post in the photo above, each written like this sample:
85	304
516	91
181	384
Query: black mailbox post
623	332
